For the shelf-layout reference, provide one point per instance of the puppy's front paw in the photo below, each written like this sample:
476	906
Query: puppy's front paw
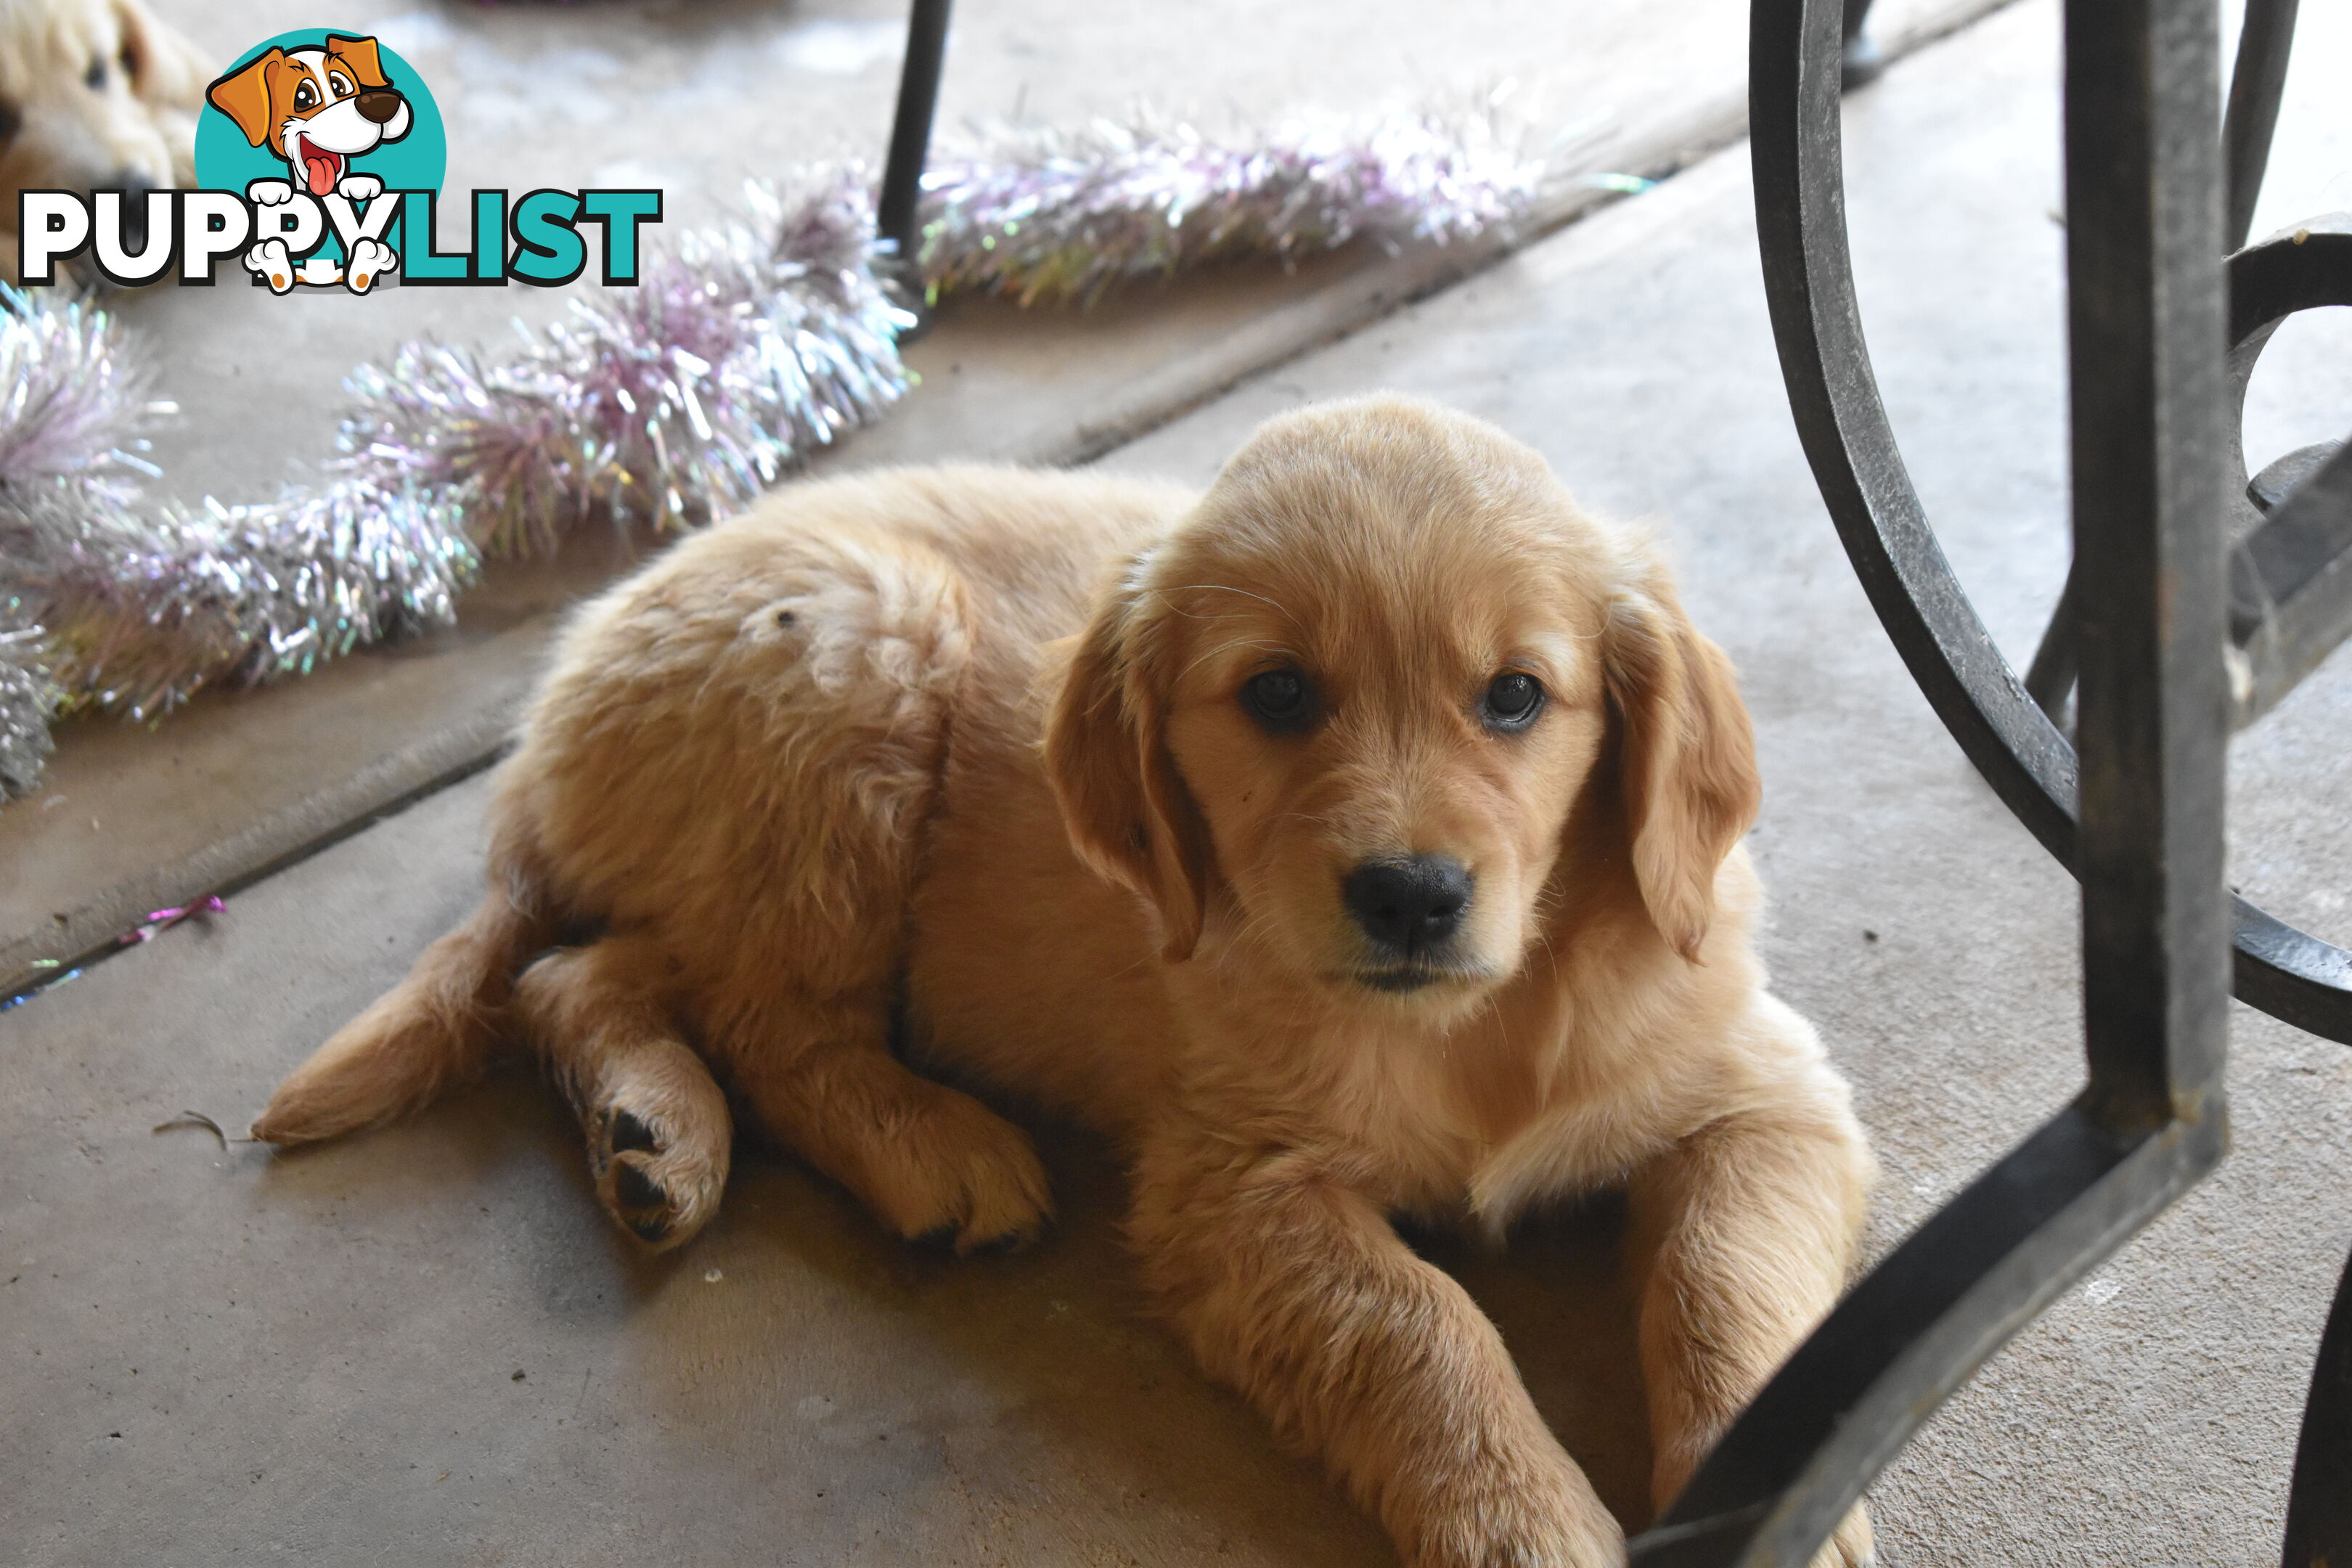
371	260
268	192
271	262
1539	1512
960	1169
659	1179
360	188
1851	1546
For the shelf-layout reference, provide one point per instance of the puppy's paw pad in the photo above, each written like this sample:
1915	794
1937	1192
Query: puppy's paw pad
659	1186
644	1206
626	1133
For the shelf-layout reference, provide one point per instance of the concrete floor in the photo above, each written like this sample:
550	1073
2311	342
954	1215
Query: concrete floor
426	1345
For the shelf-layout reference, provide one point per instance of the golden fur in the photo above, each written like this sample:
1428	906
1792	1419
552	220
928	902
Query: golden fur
101	95
973	737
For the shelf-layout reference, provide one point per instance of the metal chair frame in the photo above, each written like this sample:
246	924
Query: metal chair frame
2163	339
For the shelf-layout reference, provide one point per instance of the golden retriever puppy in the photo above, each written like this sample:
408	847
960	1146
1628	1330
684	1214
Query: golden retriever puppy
1360	837
94	95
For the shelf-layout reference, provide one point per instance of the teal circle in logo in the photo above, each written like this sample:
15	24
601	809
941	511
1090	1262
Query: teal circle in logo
417	161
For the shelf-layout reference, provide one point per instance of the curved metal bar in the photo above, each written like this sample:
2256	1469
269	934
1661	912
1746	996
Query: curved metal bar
2319	1508
1915	1329
1809	282
2256	84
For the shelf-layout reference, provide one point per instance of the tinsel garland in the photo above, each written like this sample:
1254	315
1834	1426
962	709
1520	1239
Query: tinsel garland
742	352
1045	213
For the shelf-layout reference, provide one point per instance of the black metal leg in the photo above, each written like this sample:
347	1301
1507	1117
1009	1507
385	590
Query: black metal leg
2149	326
2319	1510
2256	84
897	211
1860	58
2050	678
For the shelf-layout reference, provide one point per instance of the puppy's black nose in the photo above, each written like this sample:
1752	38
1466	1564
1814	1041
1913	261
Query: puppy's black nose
1408	906
378	104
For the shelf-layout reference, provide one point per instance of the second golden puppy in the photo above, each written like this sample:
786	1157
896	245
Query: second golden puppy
94	94
1360	837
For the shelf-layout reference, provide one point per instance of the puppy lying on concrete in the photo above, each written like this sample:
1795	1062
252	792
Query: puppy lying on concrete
94	95
1360	837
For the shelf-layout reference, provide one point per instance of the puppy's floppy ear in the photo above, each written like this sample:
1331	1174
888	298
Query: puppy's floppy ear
1689	756
360	53
1129	817
244	96
164	68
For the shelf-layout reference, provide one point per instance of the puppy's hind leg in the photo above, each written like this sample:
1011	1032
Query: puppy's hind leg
852	666
927	1160
657	1126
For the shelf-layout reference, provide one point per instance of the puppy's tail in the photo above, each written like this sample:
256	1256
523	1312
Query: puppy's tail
426	1034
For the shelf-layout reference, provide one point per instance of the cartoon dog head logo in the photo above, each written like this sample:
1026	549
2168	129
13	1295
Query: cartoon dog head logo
317	109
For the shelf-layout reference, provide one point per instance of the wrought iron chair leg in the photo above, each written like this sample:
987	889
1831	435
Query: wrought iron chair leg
1861	60
897	211
2050	678
2256	84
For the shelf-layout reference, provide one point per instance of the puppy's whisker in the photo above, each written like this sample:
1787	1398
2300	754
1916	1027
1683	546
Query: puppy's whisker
1224	588
1277	650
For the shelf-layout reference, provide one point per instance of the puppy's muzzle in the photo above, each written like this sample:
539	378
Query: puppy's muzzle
1408	908
378	104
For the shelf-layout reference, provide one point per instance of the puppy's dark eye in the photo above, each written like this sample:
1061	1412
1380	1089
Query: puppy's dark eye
1512	701
305	95
94	79
1280	699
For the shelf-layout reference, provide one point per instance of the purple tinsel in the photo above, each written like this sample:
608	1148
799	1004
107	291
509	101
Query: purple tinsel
1047	214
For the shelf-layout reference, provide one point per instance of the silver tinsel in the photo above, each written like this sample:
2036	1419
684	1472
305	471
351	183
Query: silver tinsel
737	356
674	403
70	434
1050	214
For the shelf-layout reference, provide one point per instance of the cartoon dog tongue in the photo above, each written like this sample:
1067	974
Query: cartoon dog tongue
320	168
